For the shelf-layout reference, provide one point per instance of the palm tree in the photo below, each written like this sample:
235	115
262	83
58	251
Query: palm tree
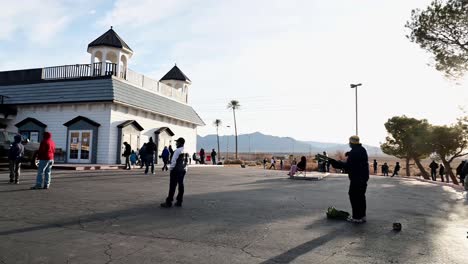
234	105
217	123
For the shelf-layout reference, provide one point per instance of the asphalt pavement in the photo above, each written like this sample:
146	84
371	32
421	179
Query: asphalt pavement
229	215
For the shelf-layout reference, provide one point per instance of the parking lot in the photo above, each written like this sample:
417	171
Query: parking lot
230	215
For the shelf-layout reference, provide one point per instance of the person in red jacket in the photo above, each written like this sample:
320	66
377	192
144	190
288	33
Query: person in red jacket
46	160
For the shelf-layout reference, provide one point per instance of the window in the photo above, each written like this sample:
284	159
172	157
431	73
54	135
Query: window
33	136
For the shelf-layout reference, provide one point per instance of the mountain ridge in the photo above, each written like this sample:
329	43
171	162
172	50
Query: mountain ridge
258	142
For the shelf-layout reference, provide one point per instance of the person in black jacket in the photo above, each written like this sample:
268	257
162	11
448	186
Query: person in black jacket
396	169
464	174
459	172
15	154
171	152
126	154
357	166
149	157
433	167
442	172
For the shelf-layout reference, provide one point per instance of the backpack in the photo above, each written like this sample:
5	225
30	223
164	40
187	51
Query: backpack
181	163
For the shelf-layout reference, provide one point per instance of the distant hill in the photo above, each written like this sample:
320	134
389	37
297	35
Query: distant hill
261	143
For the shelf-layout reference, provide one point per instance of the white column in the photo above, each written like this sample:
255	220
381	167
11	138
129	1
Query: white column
93	59
103	63
119	54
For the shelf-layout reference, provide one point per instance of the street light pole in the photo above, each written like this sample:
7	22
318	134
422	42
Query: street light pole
355	86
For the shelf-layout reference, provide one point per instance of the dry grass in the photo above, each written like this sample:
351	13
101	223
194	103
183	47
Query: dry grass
250	159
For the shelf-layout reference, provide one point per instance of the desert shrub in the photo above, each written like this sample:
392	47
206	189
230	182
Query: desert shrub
237	162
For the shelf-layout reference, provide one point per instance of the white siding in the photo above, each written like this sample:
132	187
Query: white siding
150	123
109	116
54	116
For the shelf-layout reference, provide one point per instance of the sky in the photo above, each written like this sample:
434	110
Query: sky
288	63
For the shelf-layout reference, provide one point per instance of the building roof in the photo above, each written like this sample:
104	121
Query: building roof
168	131
31	120
131	122
137	97
106	89
110	39
175	74
81	118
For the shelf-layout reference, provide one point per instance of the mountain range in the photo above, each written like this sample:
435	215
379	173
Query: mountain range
261	143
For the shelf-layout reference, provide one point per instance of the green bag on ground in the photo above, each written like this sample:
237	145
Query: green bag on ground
333	213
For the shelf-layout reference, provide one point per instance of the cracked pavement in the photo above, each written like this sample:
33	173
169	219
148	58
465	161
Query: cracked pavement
230	215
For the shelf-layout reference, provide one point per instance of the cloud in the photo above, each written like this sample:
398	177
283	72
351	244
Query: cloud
137	13
37	21
288	60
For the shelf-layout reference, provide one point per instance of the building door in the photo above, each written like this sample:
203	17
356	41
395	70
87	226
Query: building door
133	140
80	146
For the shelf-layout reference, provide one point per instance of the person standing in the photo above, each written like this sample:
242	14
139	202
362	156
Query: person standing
127	152
15	154
133	159
464	174
264	163
178	169
357	166
433	167
325	164
281	164
375	167
142	154
202	156
171	152
46	161
165	155
397	169
149	157
273	162
385	169
459	172
442	172
213	156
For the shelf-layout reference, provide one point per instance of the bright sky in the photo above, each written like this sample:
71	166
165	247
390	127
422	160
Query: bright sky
289	63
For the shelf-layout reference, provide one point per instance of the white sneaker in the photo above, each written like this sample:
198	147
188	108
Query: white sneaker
356	221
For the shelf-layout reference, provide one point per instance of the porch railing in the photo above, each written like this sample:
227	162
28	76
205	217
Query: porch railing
79	71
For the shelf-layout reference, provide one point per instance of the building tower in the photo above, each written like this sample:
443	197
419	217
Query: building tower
109	54
176	79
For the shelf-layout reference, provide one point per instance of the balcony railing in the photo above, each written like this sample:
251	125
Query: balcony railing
79	71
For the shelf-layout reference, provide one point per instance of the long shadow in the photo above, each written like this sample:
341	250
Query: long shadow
15	190
233	210
84	220
304	248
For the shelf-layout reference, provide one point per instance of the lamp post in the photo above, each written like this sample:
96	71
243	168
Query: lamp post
355	86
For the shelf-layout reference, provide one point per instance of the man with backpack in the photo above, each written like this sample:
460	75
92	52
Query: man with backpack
178	169
15	154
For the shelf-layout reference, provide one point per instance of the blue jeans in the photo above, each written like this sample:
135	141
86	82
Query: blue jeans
44	168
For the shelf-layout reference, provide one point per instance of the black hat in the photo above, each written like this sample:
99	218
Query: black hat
181	140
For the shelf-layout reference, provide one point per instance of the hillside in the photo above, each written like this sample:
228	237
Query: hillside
261	143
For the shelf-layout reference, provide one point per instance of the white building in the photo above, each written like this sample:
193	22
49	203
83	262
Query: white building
91	109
